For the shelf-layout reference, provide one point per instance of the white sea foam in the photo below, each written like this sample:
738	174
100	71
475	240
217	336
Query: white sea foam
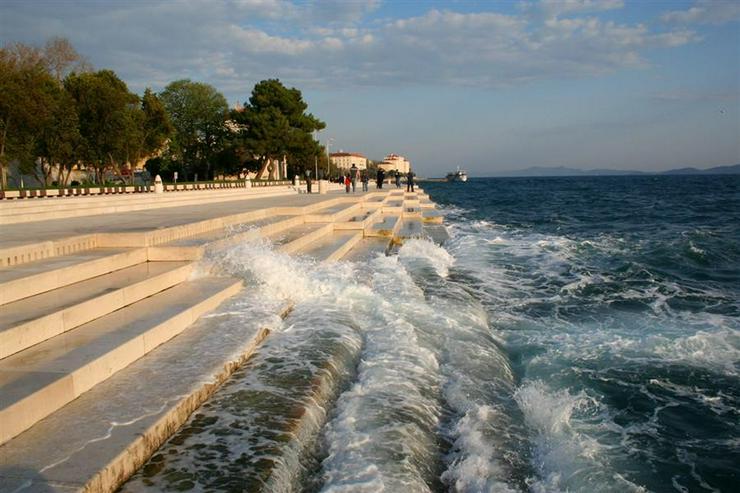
718	350
397	378
476	466
429	252
566	458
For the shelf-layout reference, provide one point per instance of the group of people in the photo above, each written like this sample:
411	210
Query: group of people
350	180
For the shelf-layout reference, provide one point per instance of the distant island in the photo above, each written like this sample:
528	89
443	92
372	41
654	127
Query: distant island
564	171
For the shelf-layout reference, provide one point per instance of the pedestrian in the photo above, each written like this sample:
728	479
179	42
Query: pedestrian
365	179
308	181
398	179
353	173
410	181
347	183
381	177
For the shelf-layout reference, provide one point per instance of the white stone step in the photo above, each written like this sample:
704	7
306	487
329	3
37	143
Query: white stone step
437	232
432	216
333	246
97	441
32	320
37	381
334	212
368	248
410	228
386	226
28	279
296	239
60	208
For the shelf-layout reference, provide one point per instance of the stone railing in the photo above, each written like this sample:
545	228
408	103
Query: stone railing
126	189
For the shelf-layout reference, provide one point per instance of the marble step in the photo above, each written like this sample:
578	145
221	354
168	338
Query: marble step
385	226
32	320
436	232
368	248
432	216
410	228
28	279
194	247
97	441
296	239
71	208
334	212
41	379
333	246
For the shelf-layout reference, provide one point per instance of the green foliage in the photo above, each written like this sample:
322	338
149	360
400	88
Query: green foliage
61	142
27	103
157	125
198	112
110	118
274	124
57	112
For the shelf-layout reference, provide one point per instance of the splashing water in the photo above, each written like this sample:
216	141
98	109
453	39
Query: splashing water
566	338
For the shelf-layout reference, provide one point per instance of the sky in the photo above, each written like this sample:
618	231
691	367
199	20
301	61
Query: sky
485	85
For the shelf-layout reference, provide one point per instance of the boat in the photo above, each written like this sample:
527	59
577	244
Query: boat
458	175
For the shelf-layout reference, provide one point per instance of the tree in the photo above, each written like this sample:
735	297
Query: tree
275	124
109	116
157	125
27	100
60	58
60	142
198	113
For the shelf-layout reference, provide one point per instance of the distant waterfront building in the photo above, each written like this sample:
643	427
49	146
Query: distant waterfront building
345	160
393	162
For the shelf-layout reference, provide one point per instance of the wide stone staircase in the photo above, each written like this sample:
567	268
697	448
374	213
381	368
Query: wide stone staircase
92	375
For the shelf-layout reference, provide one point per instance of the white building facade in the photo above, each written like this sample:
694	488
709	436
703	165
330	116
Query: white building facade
394	162
345	160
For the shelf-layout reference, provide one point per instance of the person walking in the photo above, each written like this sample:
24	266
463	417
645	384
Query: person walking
365	179
347	183
398	179
381	177
353	172
308	181
410	181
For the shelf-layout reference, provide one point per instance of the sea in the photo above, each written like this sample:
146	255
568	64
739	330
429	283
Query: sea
572	335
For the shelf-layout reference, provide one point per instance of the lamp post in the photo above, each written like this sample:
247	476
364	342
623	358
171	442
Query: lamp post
328	156
316	157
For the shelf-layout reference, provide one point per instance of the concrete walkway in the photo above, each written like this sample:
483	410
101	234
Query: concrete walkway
14	235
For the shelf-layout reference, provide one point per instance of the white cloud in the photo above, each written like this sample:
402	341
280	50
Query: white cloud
232	44
555	8
706	12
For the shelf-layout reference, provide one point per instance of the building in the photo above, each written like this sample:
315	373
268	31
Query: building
345	160
394	162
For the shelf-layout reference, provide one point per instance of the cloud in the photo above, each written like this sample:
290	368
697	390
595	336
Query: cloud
234	43
705	12
555	8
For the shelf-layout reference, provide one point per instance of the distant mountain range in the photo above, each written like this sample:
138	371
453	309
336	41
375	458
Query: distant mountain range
563	171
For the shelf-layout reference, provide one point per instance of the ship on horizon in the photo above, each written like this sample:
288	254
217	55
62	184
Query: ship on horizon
457	175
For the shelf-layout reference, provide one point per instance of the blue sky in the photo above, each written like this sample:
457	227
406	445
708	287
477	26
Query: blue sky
486	85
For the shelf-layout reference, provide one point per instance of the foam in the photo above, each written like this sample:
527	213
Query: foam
427	251
565	459
718	350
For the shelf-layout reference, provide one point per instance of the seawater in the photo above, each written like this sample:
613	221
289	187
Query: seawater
574	334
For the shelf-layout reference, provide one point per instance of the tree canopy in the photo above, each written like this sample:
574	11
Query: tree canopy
56	113
198	113
274	124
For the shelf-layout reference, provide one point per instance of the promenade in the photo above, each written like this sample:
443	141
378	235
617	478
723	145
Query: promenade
103	351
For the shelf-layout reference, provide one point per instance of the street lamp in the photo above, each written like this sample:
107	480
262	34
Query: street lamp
328	156
316	157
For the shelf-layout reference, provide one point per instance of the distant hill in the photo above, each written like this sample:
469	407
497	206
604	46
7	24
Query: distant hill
563	171
717	170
